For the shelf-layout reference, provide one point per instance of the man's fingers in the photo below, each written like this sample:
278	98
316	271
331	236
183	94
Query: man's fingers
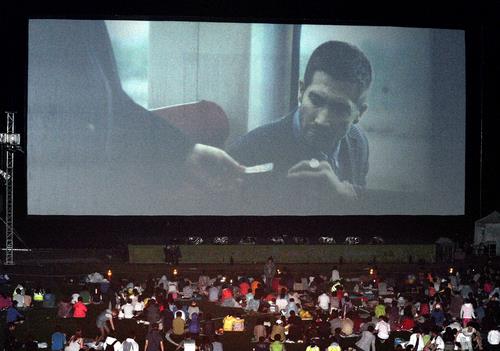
301	166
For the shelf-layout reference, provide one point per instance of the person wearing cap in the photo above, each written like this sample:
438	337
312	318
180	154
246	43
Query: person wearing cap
278	329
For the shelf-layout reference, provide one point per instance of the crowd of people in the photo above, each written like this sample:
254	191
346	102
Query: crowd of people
278	310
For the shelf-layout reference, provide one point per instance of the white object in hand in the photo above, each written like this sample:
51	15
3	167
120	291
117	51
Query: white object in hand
263	168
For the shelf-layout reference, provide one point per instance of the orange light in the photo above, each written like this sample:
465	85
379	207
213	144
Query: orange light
109	273
372	271
175	271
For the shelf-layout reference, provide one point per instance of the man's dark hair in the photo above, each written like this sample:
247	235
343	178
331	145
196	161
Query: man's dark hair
342	61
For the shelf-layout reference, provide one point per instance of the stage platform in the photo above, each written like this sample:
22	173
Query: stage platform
252	254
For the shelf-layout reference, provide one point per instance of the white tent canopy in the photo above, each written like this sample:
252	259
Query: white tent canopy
487	231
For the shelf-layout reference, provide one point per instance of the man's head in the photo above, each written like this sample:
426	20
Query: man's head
333	94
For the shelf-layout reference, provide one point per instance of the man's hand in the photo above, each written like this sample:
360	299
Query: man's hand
213	169
318	179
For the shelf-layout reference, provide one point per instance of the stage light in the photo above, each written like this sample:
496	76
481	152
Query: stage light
248	240
326	240
10	139
278	271
450	270
174	272
277	239
194	240
109	274
300	240
4	174
221	240
372	271
352	240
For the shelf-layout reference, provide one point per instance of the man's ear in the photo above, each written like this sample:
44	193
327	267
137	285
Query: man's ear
362	108
301	91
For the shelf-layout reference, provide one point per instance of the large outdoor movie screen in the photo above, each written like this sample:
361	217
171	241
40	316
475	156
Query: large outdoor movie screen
216	118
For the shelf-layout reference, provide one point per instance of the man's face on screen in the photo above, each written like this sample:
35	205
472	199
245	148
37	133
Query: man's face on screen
327	110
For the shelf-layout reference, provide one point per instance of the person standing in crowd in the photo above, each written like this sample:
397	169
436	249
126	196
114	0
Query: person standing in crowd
467	312
103	319
383	329
269	272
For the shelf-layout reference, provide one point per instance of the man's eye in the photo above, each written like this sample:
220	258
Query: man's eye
316	100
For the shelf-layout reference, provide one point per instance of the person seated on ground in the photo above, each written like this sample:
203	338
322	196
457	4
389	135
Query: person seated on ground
367	340
5	301
79	309
436	342
75	342
193	308
323	327
10	342
74	297
127	310
129	344
259	330
278	328
295	328
187	291
213	293
58	339
30	344
13	315
194	325
188	343
152	311
64	308
49	299
111	343
217	344
312	346
178	325
29	295
252	305
261	345
85	295
277	344
347	325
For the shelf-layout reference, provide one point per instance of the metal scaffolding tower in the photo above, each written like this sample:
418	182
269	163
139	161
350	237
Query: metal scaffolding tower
10	143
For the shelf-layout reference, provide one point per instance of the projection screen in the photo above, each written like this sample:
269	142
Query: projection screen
115	108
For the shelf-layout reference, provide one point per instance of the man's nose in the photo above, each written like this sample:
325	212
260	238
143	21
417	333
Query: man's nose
323	117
